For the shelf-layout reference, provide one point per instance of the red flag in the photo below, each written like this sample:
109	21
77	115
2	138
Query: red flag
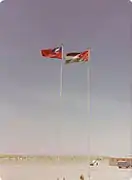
85	56
55	53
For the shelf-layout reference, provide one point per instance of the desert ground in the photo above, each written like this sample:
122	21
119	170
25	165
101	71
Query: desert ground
50	171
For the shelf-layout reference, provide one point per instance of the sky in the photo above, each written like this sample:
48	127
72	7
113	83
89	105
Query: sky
33	117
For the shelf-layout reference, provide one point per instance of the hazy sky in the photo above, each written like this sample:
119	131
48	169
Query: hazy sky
33	118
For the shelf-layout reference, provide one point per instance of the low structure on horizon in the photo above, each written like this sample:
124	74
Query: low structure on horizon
114	160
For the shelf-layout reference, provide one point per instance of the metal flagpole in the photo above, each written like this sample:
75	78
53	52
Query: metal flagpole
61	72
131	105
89	110
59	123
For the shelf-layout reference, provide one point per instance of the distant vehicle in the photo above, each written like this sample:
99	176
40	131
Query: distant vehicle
94	162
123	164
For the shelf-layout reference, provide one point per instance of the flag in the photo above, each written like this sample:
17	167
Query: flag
55	53
77	57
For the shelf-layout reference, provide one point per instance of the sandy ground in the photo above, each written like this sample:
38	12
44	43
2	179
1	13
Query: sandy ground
41	171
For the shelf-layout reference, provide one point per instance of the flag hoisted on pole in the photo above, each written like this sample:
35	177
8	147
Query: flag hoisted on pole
61	71
83	57
88	109
56	53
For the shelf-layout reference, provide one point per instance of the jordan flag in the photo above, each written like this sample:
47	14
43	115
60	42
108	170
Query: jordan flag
77	57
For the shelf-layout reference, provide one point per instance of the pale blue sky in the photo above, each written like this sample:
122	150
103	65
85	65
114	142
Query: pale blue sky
32	112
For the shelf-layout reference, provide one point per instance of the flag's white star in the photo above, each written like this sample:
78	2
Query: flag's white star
1	1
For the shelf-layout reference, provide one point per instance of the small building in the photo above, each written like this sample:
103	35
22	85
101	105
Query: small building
113	161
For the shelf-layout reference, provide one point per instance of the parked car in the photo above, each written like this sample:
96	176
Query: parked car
123	164
94	162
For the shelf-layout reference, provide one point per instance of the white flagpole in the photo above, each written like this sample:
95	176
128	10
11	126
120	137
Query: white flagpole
131	115
59	123
61	72
131	129
89	110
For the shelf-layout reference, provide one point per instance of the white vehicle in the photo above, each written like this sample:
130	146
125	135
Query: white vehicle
94	163
123	164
